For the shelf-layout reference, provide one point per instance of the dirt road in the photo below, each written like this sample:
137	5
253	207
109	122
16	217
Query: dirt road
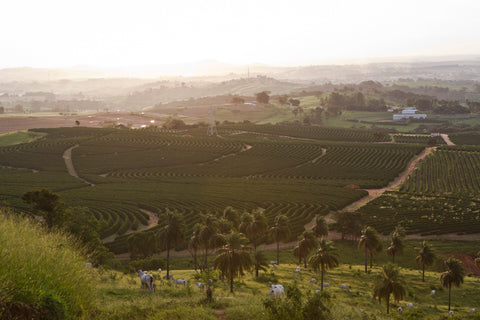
375	193
67	157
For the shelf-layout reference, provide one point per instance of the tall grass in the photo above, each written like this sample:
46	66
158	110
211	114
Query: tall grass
42	274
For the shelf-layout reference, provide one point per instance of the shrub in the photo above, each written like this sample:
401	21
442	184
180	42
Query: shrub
296	306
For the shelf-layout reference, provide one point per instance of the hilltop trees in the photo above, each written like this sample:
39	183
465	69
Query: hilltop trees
426	257
452	276
262	97
387	283
325	258
371	243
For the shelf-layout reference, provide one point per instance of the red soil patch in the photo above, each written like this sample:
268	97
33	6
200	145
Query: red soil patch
352	186
468	262
10	124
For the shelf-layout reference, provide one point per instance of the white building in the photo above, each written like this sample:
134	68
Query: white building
409	112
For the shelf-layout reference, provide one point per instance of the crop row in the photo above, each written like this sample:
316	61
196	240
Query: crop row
298	213
446	172
309	132
374	164
131	149
418	139
118	220
46	153
154	154
423	215
466	138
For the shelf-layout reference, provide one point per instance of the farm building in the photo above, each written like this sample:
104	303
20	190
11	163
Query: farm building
408	113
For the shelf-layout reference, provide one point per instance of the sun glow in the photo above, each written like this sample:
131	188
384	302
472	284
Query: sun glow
58	33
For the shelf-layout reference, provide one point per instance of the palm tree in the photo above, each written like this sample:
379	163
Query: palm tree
325	258
388	282
254	227
426	257
195	243
371	242
396	245
224	226
305	245
454	275
208	231
171	233
232	215
233	257
320	229
280	231
260	261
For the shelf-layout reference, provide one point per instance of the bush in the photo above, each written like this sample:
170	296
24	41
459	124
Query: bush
296	306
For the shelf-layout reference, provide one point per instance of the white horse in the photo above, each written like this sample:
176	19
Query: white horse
146	280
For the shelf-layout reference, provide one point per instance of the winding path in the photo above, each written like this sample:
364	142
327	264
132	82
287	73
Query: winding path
375	193
447	140
67	157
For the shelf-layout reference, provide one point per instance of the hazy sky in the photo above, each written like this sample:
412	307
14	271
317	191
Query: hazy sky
65	33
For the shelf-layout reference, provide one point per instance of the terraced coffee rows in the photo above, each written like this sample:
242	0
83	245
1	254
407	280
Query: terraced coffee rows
418	139
298	213
466	138
422	214
450	170
310	132
193	173
364	164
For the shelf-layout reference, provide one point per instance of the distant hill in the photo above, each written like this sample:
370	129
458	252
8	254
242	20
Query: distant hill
150	85
152	93
447	68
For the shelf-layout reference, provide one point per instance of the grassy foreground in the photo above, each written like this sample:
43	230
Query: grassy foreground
119	296
42	275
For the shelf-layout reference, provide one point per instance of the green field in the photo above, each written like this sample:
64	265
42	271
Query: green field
118	293
296	171
299	171
18	137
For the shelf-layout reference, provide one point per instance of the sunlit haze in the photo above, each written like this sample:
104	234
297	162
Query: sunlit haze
60	33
